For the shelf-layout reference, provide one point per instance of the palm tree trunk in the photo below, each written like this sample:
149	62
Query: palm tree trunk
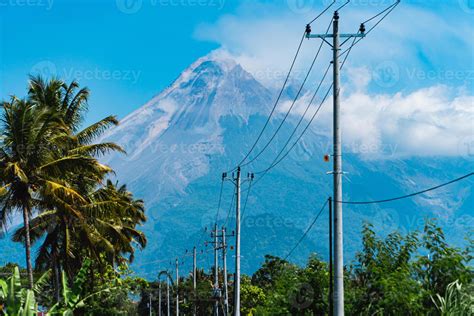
57	282
29	267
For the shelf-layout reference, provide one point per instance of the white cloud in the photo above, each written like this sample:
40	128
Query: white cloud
430	121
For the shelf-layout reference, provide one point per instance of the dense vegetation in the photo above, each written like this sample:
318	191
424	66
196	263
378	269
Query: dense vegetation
86	230
416	274
50	174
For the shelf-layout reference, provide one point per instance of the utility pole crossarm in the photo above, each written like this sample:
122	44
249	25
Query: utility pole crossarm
323	36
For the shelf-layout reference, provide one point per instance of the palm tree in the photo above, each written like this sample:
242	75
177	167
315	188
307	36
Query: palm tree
34	167
27	163
104	219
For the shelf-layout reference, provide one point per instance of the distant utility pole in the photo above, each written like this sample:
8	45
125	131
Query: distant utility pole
149	302
224	263
331	303
168	307
194	282
159	298
214	234
337	156
177	287
168	278
237	183
237	247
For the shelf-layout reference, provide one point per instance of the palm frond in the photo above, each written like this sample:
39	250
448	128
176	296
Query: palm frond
96	150
94	131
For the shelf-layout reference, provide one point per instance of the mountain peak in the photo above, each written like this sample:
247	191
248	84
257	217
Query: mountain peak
216	64
213	87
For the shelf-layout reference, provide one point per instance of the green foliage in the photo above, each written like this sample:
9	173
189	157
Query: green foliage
457	300
73	298
382	277
441	265
252	296
393	275
115	288
16	300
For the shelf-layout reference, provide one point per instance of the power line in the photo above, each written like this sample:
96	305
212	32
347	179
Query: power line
282	89
293	102
247	198
275	104
374	202
220	200
408	195
230	207
342	6
382	12
307	230
264	172
324	11
387	11
273	164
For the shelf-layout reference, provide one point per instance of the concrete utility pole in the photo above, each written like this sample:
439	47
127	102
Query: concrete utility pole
168	303
237	248
159	298
224	264
194	281
337	159
177	287
168	278
331	303
149	303
216	270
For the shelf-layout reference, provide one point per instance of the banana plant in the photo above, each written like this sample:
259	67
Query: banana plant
456	300
16	300
72	297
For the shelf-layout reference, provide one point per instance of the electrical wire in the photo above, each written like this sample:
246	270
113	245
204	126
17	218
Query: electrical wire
307	230
342	6
292	104
324	11
246	199
382	12
387	11
283	88
274	105
348	52
220	200
408	195
300	121
230	208
265	171
376	202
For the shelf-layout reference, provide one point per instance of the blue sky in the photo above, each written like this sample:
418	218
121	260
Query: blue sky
126	51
